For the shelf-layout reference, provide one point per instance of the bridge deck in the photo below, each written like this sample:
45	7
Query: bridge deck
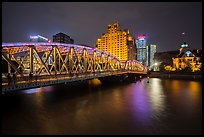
25	83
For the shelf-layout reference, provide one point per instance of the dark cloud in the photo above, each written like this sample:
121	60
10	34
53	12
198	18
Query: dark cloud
163	22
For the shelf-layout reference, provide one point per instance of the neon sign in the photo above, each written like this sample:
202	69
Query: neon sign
38	36
33	37
42	37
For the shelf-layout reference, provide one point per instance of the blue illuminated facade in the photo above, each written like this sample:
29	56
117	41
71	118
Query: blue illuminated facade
141	49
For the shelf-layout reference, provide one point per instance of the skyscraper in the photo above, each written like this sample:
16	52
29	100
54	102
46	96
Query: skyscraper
142	49
117	42
151	50
62	38
131	46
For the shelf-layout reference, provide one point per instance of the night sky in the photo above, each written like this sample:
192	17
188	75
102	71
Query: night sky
162	22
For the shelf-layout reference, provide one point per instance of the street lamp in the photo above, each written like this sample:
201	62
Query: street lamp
155	66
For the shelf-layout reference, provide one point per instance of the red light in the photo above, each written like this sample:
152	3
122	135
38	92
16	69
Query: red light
141	37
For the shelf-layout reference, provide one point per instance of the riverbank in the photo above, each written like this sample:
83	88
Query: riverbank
175	76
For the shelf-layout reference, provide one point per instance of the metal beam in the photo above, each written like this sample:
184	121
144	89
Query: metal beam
31	58
9	66
42	63
4	55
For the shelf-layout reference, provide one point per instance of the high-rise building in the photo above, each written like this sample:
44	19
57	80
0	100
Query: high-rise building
142	49
38	38
151	50
131	46
117	42
62	38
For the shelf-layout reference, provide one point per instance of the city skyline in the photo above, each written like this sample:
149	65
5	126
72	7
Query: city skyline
164	23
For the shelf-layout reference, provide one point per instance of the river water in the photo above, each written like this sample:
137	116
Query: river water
162	106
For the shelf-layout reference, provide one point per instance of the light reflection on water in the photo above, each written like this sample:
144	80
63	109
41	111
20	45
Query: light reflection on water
162	106
30	91
34	90
157	95
140	102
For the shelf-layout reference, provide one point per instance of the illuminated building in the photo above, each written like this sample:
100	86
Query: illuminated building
62	38
131	46
151	50
187	57
141	49
117	42
38	38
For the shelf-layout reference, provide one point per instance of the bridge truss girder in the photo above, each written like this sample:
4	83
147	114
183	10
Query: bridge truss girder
59	59
134	65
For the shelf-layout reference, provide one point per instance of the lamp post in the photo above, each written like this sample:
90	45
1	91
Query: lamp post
155	66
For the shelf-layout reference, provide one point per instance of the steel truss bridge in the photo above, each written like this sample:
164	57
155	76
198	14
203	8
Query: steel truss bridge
54	63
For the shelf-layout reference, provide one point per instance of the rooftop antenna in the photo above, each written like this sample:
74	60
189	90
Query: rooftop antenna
183	37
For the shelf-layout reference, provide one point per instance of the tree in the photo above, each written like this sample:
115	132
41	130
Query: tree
162	66
168	68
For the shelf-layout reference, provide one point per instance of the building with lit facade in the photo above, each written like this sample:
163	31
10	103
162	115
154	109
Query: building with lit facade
62	38
151	50
118	43
187	57
38	38
131	46
142	49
